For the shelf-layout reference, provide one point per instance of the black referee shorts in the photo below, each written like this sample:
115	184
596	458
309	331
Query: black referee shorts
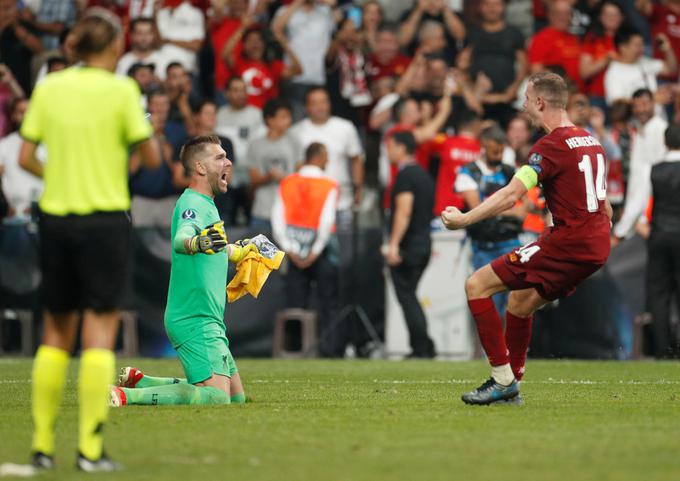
84	260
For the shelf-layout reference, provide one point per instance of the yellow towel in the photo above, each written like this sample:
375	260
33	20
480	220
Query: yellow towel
251	274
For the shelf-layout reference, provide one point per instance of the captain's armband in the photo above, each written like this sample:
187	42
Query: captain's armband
528	176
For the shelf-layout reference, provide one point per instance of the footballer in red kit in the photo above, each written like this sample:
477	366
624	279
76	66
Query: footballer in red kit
570	166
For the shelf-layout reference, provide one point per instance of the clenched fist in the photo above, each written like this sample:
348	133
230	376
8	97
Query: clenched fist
453	218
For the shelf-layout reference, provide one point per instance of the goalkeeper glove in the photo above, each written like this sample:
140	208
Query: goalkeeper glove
240	249
211	240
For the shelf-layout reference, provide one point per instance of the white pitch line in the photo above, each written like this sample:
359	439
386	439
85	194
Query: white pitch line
432	381
465	381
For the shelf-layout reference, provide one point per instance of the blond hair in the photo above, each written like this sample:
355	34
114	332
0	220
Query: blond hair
552	88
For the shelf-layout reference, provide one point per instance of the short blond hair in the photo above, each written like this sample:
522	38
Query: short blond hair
552	88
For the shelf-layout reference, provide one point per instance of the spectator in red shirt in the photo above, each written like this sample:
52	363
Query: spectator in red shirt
262	77
454	152
555	46
598	50
386	59
221	30
664	17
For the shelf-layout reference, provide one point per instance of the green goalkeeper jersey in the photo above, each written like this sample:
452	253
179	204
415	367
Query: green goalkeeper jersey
197	294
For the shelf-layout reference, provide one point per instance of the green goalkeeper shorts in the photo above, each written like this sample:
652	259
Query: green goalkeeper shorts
207	353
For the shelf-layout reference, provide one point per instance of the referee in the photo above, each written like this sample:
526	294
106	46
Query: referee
87	118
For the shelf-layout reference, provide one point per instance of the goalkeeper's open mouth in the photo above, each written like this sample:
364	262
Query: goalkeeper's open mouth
224	178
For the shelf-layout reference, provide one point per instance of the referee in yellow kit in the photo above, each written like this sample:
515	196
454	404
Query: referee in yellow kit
87	118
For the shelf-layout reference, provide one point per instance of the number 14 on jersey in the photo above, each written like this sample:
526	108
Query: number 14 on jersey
596	189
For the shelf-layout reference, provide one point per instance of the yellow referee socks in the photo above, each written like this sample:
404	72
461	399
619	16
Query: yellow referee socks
49	377
97	367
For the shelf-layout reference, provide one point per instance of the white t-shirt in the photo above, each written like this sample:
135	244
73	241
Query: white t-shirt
240	126
309	34
184	23
622	79
342	142
156	58
20	187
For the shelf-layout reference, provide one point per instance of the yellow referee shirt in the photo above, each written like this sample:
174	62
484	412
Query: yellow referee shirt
87	118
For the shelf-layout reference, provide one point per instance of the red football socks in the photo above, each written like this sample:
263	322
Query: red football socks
490	330
517	338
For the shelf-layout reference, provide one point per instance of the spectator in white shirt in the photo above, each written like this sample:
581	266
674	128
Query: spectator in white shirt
20	188
238	120
308	25
182	30
270	158
632	70
648	150
345	153
143	49
241	123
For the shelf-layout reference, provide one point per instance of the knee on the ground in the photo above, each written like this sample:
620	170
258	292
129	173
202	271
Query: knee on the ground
205	394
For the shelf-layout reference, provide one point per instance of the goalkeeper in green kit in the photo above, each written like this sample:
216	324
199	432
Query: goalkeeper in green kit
194	315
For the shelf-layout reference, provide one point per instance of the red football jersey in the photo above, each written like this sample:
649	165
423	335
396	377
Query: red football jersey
261	79
396	68
571	167
553	47
454	152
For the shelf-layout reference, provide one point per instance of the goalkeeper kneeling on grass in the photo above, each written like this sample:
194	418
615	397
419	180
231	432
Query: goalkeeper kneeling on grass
194	315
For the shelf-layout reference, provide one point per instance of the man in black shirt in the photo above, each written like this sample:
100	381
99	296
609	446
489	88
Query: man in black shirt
408	252
496	49
663	247
18	43
430	11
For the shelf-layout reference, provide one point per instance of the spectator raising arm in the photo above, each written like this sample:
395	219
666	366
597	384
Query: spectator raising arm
432	126
588	67
670	63
453	24
294	67
228	54
8	79
281	21
31	41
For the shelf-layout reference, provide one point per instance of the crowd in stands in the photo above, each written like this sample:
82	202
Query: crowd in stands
271	77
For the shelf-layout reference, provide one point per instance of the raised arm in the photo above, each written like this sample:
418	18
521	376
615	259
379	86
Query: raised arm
434	125
281	21
408	29
670	64
453	24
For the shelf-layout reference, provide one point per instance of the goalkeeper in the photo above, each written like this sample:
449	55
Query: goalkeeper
194	315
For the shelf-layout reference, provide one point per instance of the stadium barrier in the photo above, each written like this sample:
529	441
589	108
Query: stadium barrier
596	322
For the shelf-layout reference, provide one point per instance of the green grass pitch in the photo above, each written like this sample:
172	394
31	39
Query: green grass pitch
374	421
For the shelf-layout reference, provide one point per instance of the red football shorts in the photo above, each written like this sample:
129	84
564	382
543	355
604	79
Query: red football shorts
553	276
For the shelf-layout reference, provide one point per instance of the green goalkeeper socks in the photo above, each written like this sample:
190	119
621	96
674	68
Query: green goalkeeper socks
175	394
239	398
150	381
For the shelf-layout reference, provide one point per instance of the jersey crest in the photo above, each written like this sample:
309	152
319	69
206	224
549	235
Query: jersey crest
189	214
